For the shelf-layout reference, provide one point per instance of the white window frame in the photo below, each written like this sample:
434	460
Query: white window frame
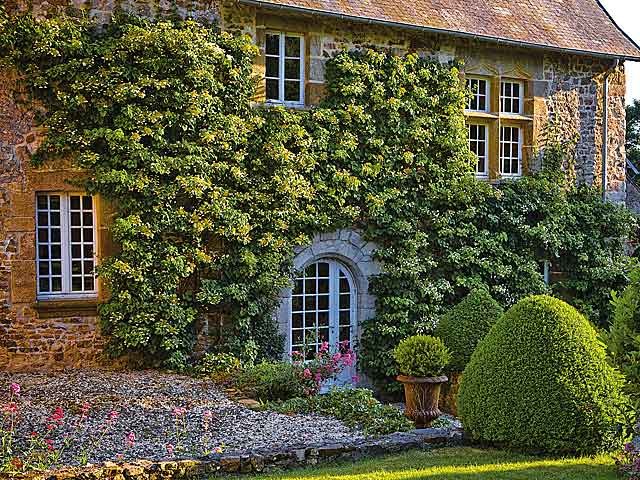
501	158
520	97
485	173
281	73
333	310
65	248
487	95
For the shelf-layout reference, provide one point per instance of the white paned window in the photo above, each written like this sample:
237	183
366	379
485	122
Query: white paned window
511	97
510	151
479	101
65	241
323	307
478	144
284	68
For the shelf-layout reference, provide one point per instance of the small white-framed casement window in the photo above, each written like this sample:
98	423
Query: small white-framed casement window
479	100
510	151
284	68
65	245
512	97
479	145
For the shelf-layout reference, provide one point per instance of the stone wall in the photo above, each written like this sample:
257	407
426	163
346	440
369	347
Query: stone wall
34	335
39	335
258	462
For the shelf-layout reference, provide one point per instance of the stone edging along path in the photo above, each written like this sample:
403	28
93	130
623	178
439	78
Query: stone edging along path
187	469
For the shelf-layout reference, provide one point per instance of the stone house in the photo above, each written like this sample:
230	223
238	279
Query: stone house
526	63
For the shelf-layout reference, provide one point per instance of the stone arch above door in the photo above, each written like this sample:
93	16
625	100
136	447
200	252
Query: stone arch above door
349	249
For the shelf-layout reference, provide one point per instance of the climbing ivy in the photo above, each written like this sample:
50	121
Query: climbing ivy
213	195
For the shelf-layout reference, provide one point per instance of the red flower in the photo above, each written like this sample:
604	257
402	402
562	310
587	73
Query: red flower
11	408
58	416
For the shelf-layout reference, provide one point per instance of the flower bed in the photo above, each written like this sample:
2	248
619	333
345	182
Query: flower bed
143	425
89	417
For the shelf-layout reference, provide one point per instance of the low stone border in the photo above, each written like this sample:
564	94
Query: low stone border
187	469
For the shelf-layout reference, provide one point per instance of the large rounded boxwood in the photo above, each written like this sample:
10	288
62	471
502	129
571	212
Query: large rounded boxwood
462	327
540	381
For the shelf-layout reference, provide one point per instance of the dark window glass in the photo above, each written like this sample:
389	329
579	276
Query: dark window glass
272	45
292	91
292	46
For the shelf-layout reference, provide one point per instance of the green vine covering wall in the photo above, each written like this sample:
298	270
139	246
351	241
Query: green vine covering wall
213	195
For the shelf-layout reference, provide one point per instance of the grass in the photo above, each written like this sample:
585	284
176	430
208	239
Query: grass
458	464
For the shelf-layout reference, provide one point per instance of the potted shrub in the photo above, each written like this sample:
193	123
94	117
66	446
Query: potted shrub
421	360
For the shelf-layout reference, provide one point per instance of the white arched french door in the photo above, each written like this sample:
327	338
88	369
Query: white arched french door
323	308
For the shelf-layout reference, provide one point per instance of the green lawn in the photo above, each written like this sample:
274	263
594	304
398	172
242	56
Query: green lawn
459	464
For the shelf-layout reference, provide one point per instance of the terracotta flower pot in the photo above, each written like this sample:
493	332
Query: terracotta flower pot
421	397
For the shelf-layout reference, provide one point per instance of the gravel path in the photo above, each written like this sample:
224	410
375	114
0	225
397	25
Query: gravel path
146	403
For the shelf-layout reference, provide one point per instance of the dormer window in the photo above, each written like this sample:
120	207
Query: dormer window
511	97
479	101
284	68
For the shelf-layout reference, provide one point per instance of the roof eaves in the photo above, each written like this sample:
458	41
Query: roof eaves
456	33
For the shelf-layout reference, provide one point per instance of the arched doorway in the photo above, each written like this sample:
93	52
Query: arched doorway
324	309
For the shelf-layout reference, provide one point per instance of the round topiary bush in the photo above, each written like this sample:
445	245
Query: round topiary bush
540	381
421	356
462	327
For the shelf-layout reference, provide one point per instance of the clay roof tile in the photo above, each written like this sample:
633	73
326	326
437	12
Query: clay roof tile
571	25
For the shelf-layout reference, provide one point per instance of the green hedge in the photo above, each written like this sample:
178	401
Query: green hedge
462	327
623	338
540	381
270	381
356	408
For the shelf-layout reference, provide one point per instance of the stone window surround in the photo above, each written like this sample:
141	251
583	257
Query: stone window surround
494	119
351	250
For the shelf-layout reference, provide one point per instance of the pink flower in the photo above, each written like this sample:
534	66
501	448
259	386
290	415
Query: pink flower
170	449
355	379
49	443
179	411
336	357
307	373
318	378
113	416
130	439
218	450
324	347
85	408
15	388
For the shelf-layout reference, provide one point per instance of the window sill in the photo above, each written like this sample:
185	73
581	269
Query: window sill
272	104
516	117
479	114
65	308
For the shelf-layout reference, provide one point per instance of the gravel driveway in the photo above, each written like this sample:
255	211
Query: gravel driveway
153	416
